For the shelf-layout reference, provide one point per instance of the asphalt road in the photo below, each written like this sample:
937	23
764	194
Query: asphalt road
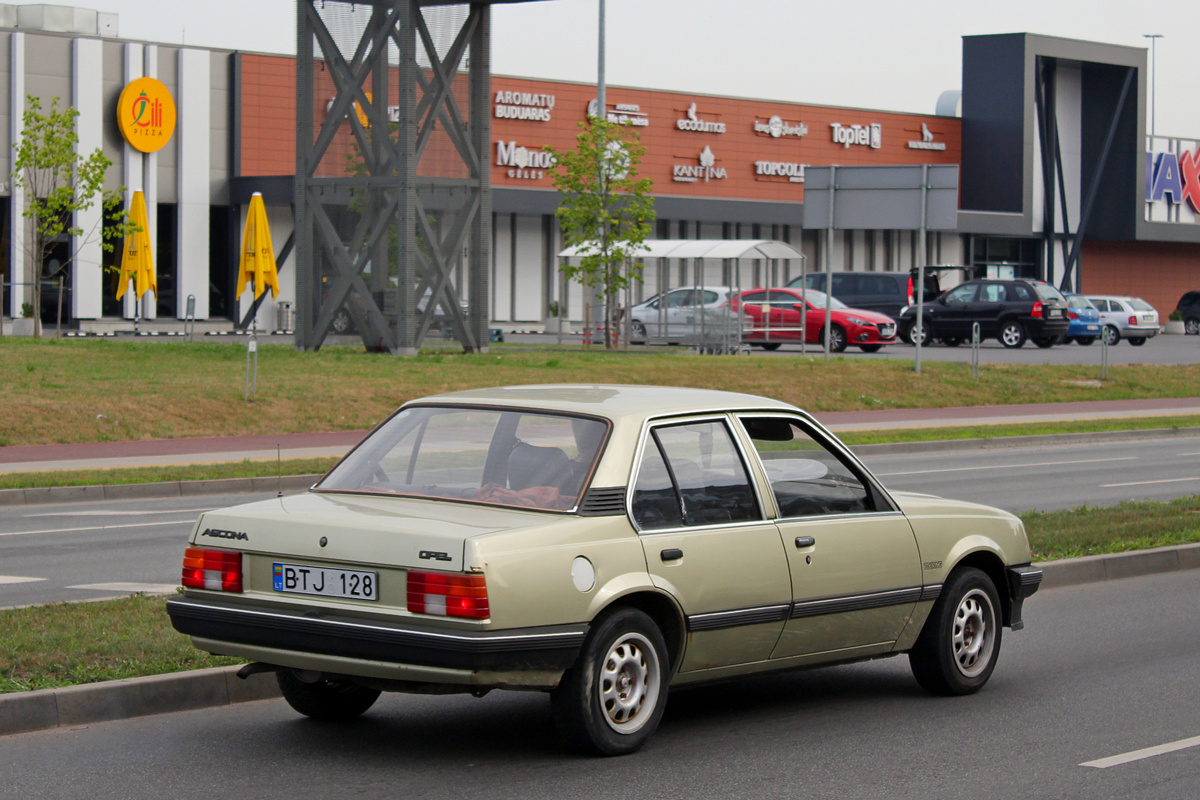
1102	670
82	551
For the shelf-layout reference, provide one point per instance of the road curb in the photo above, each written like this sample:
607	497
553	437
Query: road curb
25	712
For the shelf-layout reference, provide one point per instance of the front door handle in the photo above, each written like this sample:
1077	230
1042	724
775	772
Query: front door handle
672	554
805	541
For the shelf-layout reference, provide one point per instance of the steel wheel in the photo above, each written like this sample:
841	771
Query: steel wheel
637	331
974	635
1012	334
612	699
1191	326
960	642
1111	335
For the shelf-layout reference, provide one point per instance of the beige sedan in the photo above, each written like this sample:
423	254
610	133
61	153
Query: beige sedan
600	543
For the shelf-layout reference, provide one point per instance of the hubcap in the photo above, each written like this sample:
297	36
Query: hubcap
973	637
629	683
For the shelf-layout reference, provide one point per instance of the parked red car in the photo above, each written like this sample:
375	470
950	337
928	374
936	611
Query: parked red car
774	318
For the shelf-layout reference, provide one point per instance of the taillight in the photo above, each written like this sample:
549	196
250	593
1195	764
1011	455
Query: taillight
212	569
1037	310
1072	315
911	297
1132	319
447	595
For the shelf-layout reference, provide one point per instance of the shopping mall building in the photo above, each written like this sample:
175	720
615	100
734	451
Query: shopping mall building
1048	137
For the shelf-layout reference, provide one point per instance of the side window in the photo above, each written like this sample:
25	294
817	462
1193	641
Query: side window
681	298
843	285
993	293
1021	292
692	474
962	294
806	478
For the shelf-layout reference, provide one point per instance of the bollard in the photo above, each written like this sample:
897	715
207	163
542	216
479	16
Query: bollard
1103	357
251	351
975	351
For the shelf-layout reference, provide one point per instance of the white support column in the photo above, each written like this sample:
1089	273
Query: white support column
18	258
87	89
133	167
192	168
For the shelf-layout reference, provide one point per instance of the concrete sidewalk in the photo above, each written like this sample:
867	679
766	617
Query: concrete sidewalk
37	458
23	712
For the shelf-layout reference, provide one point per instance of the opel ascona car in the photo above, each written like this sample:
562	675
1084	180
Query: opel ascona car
602	544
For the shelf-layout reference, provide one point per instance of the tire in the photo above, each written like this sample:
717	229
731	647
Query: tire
923	335
1012	333
328	699
341	321
1046	341
837	338
1110	335
951	341
905	333
611	701
768	345
637	331
870	348
1191	326
958	647
1085	340
1137	341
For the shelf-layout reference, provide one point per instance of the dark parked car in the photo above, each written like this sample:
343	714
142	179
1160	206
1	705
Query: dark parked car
1009	310
882	292
1189	309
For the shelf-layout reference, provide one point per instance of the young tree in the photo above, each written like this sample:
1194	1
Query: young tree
59	183
606	209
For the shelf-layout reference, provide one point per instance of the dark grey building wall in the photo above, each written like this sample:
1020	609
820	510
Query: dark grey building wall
993	114
1117	203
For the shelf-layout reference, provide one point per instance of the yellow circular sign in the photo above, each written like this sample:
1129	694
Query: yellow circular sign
146	114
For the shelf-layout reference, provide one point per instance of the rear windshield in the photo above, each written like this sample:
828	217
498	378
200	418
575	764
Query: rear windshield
483	455
1078	301
1140	305
1048	292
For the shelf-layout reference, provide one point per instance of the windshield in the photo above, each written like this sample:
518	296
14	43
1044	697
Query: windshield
1048	292
817	299
484	455
1079	301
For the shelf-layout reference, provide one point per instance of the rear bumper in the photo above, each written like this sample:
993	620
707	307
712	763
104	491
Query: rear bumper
257	627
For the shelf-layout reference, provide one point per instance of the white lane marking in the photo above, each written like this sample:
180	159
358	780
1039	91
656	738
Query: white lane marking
1146	483
18	579
101	527
118	513
145	588
1013	466
1138	755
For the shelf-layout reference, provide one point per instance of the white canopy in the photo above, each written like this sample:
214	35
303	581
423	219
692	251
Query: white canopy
707	248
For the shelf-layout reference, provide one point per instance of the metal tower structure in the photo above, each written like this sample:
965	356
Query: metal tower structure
393	197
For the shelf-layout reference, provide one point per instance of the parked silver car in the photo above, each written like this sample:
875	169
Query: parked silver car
678	315
1129	318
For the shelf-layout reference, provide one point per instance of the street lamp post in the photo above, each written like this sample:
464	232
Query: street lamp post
1153	37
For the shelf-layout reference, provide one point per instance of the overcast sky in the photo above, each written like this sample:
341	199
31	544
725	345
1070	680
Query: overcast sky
878	54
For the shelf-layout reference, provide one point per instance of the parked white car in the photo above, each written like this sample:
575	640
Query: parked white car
1129	318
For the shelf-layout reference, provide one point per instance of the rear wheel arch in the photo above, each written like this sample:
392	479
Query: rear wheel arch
665	614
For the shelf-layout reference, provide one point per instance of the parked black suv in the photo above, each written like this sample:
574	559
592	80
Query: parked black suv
1009	310
1189	309
882	292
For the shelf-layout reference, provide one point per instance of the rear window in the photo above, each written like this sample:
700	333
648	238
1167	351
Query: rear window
484	455
1140	305
1048	292
1076	301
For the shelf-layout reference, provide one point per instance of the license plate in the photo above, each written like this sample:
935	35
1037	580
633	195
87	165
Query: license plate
887	331
326	582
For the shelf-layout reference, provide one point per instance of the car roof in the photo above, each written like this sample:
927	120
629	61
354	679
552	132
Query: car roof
615	401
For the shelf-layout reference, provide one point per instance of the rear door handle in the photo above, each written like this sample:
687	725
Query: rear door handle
672	554
805	541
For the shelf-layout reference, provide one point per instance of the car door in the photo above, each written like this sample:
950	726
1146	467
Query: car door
953	313
708	544
855	567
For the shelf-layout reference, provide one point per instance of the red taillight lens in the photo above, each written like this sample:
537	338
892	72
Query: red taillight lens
1072	315
1132	320
911	297
446	595
212	569
1037	310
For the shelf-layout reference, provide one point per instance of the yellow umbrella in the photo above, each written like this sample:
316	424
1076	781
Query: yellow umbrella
137	256
257	263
